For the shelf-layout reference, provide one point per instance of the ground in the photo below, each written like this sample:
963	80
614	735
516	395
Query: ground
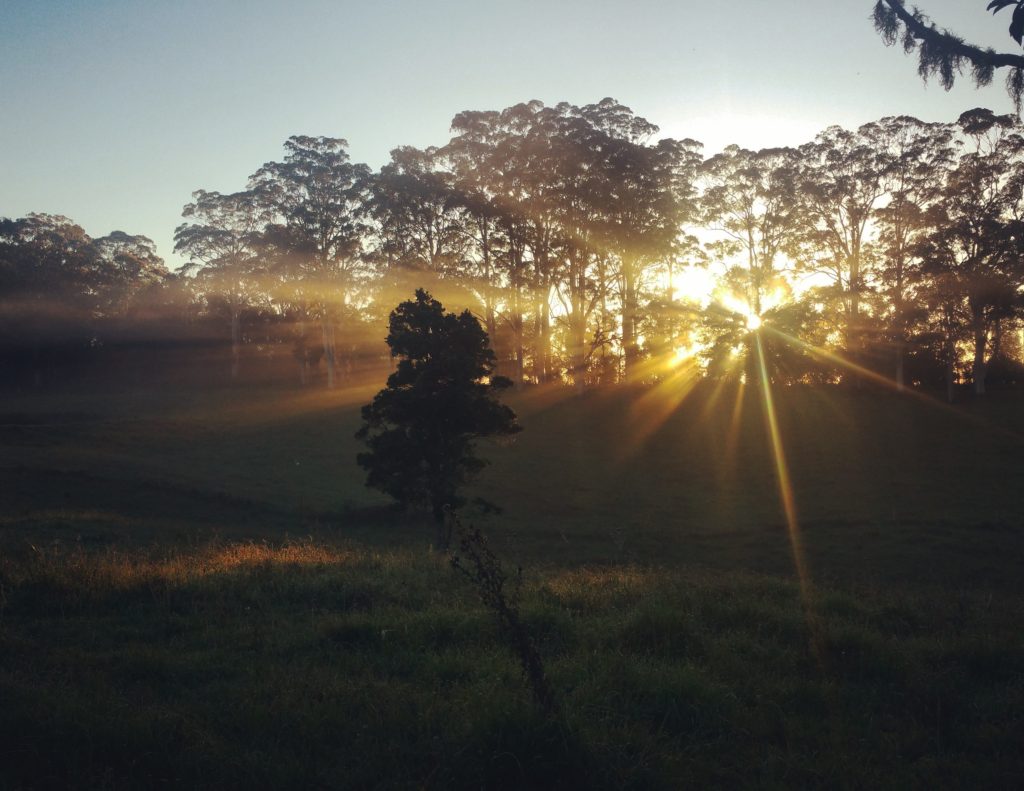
197	589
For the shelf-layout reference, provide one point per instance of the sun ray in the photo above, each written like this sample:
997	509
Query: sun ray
876	378
733	437
649	412
711	401
788	499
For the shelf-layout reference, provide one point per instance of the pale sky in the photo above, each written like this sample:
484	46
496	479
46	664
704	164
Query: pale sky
112	112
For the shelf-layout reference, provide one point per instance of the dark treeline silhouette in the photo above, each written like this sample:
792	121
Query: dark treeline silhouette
893	250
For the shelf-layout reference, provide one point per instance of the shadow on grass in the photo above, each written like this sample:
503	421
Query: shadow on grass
312	664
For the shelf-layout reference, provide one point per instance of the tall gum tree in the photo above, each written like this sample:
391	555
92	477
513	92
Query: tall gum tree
841	184
219	240
420	222
917	157
316	195
750	197
468	157
507	155
646	196
134	267
975	248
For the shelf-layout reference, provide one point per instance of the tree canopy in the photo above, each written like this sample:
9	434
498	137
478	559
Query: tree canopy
421	429
576	235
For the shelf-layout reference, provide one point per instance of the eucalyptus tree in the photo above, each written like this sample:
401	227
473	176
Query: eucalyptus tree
534	153
49	264
57	283
219	238
973	253
522	151
917	156
420	222
133	265
751	199
841	182
315	197
581	182
526	158
644	196
615	205
485	154
945	325
52	286
469	158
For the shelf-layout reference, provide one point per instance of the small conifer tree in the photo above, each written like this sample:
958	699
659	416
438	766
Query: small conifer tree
420	430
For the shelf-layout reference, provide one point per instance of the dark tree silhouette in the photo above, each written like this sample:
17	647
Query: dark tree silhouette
133	266
421	428
917	159
943	54
974	248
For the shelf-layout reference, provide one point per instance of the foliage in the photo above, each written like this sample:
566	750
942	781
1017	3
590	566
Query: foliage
567	230
943	54
421	429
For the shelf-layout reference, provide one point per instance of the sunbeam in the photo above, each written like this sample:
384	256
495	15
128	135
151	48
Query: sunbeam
788	503
650	411
889	384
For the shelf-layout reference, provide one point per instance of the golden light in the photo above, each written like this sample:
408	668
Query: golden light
689	283
685	353
741	307
788	499
650	411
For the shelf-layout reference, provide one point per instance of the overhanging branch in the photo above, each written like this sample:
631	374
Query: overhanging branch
944	54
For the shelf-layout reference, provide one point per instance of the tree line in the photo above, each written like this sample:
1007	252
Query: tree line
894	249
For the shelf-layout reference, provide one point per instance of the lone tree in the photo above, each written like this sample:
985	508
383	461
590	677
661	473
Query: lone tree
421	428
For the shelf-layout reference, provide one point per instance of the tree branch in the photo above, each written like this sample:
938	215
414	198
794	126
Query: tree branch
942	53
955	46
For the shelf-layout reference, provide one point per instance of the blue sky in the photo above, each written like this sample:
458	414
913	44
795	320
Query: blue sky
113	112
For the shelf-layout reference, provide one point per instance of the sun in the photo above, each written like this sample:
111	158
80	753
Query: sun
751	318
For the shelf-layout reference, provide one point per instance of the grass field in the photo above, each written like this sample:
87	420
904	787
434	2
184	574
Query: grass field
197	589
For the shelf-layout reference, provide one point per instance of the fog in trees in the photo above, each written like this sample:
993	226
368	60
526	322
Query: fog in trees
892	250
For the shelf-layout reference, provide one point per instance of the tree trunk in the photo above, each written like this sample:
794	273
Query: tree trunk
236	340
327	331
950	376
979	368
899	366
542	363
578	339
630	352
853	330
517	338
901	324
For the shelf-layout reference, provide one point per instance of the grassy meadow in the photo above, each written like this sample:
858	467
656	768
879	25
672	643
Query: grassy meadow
196	589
